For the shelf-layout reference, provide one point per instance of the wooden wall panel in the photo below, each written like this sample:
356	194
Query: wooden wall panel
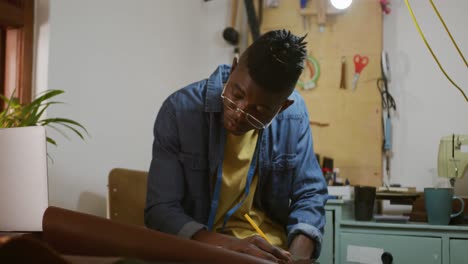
354	135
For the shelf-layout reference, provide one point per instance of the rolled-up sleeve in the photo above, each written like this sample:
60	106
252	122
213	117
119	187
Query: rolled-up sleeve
165	187
309	195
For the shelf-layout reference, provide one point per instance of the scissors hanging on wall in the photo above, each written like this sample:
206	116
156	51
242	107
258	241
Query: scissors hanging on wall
360	62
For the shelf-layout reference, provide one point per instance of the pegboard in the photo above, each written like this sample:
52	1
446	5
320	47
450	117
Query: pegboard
353	137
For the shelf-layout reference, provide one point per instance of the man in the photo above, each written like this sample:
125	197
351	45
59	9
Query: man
240	143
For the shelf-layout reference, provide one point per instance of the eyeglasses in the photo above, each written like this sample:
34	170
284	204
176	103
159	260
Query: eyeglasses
250	118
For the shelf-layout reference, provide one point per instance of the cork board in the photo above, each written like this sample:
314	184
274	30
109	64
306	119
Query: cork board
353	137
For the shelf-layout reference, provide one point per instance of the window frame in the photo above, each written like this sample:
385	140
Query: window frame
16	45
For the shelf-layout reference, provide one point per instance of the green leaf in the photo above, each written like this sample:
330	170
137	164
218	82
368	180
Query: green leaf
63	120
59	131
46	95
7	109
34	105
50	157
71	128
33	119
4	99
51	141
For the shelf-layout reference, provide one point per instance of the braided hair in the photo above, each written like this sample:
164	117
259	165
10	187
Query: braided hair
276	60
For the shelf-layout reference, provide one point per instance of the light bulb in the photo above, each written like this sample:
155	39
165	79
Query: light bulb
341	4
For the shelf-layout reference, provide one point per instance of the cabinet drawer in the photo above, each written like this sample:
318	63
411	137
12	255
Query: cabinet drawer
404	249
458	251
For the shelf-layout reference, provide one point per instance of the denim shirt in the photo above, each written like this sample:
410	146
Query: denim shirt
291	189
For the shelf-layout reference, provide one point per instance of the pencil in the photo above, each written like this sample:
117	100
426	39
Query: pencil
255	226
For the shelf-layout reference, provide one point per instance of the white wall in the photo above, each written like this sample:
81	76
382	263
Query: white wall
429	107
118	60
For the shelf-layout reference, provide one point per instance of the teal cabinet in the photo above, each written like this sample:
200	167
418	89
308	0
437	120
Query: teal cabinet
327	253
404	249
458	251
407	243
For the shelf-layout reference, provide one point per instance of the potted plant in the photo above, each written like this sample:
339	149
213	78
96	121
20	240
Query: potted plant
16	114
23	162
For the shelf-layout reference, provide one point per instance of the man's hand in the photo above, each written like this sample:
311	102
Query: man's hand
254	245
258	247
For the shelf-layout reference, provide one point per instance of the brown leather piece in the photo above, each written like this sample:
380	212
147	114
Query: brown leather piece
24	249
74	233
31	249
92	260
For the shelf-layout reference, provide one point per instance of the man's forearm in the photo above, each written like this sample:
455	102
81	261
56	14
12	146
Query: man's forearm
302	247
212	238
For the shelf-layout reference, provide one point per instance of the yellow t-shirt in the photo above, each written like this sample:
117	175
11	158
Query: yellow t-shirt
238	153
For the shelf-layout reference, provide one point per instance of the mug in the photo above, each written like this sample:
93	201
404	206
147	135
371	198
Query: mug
438	203
364	197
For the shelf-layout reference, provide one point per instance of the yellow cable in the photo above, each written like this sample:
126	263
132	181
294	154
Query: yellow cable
448	32
430	49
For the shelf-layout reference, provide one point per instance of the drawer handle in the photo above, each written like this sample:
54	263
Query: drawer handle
387	258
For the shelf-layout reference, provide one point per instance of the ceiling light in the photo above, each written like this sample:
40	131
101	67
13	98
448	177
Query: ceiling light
341	4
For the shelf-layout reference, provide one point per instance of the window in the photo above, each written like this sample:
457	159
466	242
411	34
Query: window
16	48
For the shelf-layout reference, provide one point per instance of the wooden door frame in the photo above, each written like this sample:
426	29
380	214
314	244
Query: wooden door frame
17	19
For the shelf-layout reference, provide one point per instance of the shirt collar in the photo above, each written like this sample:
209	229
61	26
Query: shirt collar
213	102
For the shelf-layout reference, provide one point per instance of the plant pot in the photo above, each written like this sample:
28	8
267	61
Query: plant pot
23	178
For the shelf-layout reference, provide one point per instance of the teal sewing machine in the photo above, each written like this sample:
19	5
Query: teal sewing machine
453	157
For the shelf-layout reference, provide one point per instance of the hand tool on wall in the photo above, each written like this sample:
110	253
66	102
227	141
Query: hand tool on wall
385	64
388	103
305	19
322	14
252	19
359	63
387	148
343	73
230	34
319	124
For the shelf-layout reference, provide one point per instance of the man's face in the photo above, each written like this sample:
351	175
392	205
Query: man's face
241	92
